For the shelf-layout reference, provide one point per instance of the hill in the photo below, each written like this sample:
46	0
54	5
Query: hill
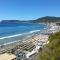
47	19
52	50
11	21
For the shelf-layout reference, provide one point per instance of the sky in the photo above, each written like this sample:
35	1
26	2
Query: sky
28	9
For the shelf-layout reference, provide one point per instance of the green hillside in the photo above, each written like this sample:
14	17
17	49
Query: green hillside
52	50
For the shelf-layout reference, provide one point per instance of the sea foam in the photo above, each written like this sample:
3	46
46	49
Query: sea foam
19	34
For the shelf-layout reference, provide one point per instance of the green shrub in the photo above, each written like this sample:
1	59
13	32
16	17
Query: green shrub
52	50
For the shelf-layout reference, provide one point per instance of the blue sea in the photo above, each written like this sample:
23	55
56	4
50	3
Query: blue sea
14	32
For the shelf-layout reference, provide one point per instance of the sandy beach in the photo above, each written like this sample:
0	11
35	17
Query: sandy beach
30	39
27	40
29	43
37	38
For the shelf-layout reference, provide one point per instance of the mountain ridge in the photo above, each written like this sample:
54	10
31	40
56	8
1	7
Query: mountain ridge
39	20
47	19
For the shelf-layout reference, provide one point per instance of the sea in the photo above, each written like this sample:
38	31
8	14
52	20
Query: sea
10	33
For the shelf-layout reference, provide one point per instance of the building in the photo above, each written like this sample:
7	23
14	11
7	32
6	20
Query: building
20	55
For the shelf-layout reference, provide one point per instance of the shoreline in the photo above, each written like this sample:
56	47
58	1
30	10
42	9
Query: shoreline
34	33
25	35
28	39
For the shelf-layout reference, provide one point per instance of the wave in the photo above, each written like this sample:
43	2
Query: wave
11	42
34	31
19	34
10	36
14	41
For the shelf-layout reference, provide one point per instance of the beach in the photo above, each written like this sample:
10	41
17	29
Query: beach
9	34
29	45
36	37
32	39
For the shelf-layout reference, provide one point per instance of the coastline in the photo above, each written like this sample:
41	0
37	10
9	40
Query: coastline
17	37
28	39
30	46
36	37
